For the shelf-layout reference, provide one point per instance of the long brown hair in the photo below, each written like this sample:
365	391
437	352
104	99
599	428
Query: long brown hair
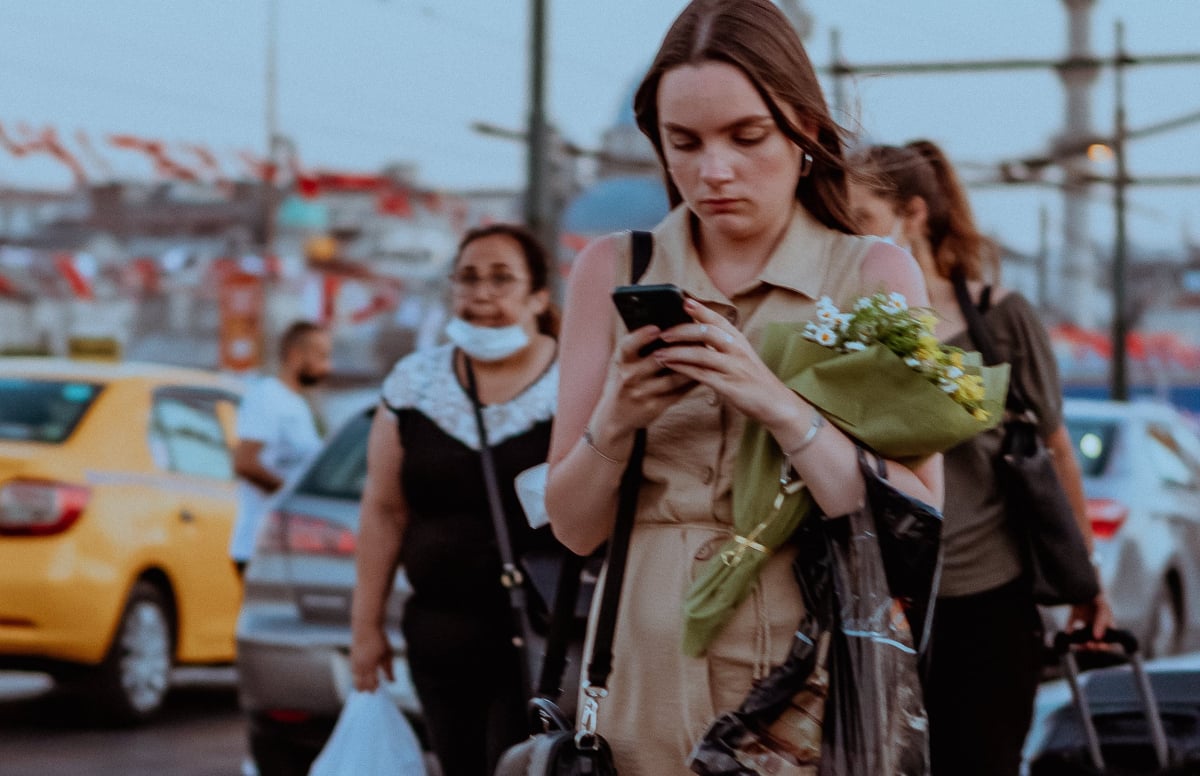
755	37
537	261
921	169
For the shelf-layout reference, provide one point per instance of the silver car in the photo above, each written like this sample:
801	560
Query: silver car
293	633
1141	475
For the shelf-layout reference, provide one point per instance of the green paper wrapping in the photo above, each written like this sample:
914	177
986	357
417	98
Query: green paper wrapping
873	396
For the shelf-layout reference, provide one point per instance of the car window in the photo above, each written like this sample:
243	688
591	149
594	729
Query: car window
1093	440
186	437
43	410
1166	458
340	470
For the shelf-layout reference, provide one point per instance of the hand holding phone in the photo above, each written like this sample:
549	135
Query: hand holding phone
651	305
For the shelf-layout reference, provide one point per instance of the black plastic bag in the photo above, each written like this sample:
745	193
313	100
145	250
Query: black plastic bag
875	719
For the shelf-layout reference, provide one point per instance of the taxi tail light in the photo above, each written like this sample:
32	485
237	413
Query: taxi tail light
1106	516
40	507
296	534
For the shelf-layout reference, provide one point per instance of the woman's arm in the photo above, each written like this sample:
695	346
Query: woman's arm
581	492
383	517
825	458
1097	614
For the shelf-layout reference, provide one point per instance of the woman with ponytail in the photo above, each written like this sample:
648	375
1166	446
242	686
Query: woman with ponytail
985	657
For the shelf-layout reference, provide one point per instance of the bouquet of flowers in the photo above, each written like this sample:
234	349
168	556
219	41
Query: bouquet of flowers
880	375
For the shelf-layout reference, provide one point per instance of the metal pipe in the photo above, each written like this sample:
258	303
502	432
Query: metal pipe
1119	389
537	180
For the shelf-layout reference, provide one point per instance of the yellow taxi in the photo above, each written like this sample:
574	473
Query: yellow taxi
117	499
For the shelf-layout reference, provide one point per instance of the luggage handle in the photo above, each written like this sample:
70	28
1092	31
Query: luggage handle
1063	642
1123	638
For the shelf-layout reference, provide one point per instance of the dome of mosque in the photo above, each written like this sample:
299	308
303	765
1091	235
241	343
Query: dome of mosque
614	204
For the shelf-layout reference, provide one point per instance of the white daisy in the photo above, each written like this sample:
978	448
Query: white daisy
854	346
826	336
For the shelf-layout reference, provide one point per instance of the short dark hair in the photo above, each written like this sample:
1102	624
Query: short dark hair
294	336
537	261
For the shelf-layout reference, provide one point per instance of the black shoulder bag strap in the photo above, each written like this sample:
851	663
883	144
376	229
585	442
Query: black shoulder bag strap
510	575
562	619
977	330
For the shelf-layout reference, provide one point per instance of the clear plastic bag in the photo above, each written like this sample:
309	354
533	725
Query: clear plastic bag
875	719
371	738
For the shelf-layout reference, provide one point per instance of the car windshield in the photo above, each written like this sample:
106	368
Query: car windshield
1093	440
341	469
42	410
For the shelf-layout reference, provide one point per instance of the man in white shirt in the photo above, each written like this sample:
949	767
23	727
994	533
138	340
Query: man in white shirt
276	430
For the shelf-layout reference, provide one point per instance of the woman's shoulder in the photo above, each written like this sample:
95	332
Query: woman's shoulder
886	267
417	373
1010	303
601	258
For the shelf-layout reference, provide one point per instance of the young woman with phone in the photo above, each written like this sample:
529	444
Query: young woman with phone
761	229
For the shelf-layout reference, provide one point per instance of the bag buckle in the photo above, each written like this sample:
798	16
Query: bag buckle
589	717
511	577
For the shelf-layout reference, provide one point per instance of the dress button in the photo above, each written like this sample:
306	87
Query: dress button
708	549
712	398
709	475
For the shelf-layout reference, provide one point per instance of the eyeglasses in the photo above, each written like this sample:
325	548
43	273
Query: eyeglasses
497	285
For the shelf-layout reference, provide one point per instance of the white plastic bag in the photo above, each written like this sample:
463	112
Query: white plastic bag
371	738
531	492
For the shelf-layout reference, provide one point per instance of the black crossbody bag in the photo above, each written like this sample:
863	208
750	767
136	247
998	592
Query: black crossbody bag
1055	553
556	747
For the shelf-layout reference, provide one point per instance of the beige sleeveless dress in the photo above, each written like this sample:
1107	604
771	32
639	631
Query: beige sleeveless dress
660	701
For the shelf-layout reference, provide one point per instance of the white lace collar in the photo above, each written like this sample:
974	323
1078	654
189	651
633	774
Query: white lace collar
425	381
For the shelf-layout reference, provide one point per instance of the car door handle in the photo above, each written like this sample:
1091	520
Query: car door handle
186	516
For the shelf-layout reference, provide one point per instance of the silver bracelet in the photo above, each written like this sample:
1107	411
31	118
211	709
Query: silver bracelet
818	421
590	441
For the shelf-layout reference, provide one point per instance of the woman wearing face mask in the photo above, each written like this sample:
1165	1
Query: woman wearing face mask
761	229
425	504
986	644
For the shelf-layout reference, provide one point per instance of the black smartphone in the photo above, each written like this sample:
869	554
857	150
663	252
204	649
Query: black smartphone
652	305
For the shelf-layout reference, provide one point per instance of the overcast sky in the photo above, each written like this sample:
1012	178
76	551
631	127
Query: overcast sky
365	82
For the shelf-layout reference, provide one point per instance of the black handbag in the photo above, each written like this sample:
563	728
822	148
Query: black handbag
1055	554
909	533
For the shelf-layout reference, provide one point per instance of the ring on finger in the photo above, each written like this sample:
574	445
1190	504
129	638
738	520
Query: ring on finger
703	329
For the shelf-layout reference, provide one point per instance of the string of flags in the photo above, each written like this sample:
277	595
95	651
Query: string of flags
197	163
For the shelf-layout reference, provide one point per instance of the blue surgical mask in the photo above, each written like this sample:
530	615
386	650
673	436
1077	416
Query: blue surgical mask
486	343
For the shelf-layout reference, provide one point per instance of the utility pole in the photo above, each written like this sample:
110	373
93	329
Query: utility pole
836	66
1072	282
272	92
537	212
1119	389
1043	269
